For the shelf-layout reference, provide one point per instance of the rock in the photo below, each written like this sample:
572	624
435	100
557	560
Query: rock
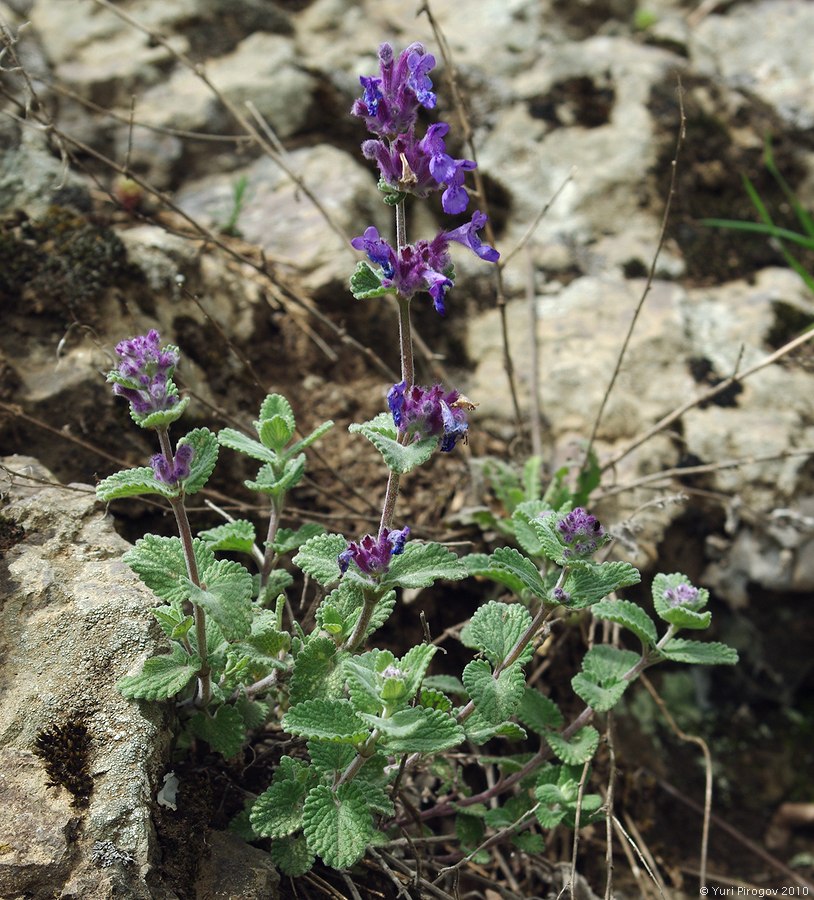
762	49
234	870
73	621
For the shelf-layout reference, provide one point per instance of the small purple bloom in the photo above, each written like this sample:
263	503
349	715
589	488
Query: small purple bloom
580	532
146	371
172	474
372	555
421	412
390	101
468	236
561	596
681	595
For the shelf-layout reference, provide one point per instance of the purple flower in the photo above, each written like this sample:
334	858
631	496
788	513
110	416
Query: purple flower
681	595
580	532
372	555
144	373
390	101
179	469
420	412
423	266
561	596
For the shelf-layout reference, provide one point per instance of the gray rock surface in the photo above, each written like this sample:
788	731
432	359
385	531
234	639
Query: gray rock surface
73	620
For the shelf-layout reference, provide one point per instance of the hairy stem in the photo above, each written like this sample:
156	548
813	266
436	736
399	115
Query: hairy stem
362	623
274	524
185	534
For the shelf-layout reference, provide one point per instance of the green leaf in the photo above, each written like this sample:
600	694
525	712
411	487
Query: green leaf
172	620
365	284
163	418
606	663
496	699
546	528
529	842
338	824
414	664
630	616
599	696
683	615
225	731
271	480
318	557
480	565
700	653
132	483
479	731
495	629
227	597
160	564
330	759
253	712
553	806
576	751
238	535
277	812
446	683
539	712
525	513
287	539
292	855
204	459
329	720
314	670
315	435
469	830
587	583
365	679
417	730
161	677
399	458
236	440
421	565
276	425
513	561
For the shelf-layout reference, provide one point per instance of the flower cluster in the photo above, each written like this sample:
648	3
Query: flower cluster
389	105
373	554
145	372
580	532
421	412
172	472
426	265
681	595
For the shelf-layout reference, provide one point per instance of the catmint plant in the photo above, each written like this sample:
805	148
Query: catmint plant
362	719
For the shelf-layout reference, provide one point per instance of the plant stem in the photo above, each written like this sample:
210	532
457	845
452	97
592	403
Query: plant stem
274	524
360	629
185	534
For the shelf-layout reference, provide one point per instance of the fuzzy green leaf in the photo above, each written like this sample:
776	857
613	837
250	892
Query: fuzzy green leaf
236	440
417	730
277	812
496	699
630	616
204	459
553	806
328	720
414	664
225	731
276	405
365	284
550	543
160	564
528	511
132	483
365	679
318	557
161	677
700	653
292	855
287	539
238	535
479	731
606	663
163	418
276	425
421	565
495	629
227	597
682	615
309	439
576	751
539	712
587	583
480	565
399	458
338	824
522	568
599	696
446	683
314	670
274	481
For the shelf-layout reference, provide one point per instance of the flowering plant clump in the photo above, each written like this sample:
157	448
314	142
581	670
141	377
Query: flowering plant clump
243	659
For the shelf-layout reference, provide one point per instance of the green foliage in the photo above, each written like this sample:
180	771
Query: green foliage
338	824
699	653
224	730
629	616
132	483
226	598
495	629
238	535
421	565
579	749
496	698
204	459
601	682
557	792
327	720
365	284
318	557
161	677
588	582
399	458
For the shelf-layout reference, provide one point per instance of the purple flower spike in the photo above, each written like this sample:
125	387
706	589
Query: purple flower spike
580	532
172	474
390	101
421	412
145	371
372	555
681	595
